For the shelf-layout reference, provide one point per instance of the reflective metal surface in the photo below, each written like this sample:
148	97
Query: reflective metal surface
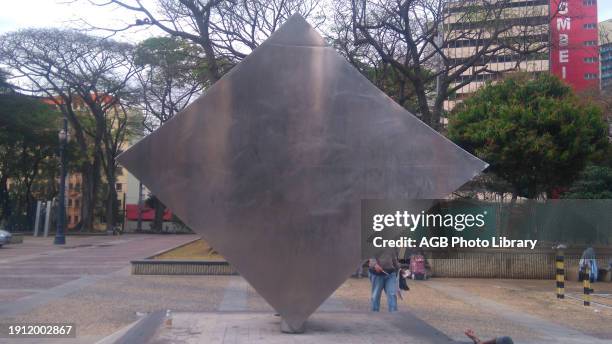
270	165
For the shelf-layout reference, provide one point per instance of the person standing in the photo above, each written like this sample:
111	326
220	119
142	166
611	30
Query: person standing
383	271
588	259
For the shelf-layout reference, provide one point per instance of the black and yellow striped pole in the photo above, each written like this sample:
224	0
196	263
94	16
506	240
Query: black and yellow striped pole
560	265
587	286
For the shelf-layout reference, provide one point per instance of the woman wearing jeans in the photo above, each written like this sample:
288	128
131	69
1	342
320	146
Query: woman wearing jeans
383	275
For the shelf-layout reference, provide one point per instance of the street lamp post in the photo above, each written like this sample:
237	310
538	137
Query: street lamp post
60	237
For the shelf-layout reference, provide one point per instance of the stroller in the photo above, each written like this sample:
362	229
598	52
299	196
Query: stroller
417	267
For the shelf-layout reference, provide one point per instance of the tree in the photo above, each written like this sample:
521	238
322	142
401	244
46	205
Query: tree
595	182
604	99
85	76
122	124
225	30
380	72
28	155
365	59
171	75
415	39
536	134
5	87
158	220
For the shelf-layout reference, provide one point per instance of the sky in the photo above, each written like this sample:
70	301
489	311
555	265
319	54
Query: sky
18	14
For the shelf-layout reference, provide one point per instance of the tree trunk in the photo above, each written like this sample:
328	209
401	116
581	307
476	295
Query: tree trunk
437	110
4	197
158	221
90	173
139	222
111	199
424	106
88	199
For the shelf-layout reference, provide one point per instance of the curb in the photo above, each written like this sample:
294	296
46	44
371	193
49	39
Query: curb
181	267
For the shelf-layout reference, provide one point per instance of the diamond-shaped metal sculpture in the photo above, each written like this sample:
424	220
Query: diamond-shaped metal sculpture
271	163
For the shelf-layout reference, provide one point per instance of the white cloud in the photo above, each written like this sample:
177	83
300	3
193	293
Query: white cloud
604	11
19	14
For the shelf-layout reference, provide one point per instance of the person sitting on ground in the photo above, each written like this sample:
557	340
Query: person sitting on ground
498	340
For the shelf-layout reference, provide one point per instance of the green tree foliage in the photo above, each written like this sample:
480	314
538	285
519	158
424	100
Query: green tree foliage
172	73
595	182
173	56
535	133
225	31
87	77
5	87
28	147
390	81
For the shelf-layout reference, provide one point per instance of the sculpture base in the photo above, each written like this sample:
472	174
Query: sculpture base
286	328
263	327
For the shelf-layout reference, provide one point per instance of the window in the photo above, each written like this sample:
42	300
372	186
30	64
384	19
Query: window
590	59
590	26
501	58
69	219
465	24
460	43
76	218
77	186
590	2
471	8
77	203
70	186
119	187
478	77
590	76
70	202
590	43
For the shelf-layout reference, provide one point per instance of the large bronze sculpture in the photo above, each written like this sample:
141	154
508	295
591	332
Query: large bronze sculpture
271	163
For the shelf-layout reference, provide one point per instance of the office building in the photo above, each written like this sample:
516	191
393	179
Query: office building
535	36
605	54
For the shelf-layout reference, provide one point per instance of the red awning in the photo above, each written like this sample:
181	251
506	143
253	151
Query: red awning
148	214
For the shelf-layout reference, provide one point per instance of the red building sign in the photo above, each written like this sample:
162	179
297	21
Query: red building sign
574	48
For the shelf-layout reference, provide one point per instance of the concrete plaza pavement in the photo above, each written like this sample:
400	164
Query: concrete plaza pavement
322	327
38	271
89	283
437	312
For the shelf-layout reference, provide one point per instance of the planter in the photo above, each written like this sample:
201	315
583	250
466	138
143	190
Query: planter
154	265
181	267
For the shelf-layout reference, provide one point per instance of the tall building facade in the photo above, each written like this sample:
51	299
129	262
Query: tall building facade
574	42
469	25
557	36
73	199
605	54
74	196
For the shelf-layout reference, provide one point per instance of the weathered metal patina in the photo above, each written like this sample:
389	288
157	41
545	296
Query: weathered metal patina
270	165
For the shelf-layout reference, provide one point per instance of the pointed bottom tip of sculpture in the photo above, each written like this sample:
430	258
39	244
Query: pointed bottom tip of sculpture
285	327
